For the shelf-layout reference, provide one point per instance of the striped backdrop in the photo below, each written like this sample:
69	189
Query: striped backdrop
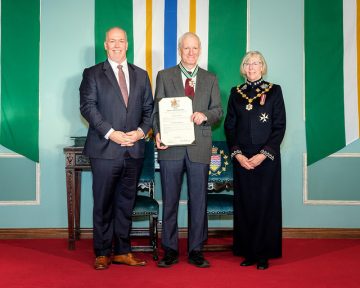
332	72
163	22
154	26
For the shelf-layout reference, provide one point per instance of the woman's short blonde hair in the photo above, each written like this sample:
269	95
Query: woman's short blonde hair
247	56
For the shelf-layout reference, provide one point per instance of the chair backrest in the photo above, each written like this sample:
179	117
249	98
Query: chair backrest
220	165
147	177
148	170
220	179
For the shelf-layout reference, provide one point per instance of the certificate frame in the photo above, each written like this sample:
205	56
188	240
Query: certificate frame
176	127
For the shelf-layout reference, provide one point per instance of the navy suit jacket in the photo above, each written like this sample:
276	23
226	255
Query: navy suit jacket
102	105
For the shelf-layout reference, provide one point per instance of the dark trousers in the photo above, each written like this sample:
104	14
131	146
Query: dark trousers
114	191
197	174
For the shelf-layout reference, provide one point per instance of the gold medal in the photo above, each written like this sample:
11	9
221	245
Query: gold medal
249	107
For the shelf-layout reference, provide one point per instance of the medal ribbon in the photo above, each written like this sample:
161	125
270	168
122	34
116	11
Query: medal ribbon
186	73
189	83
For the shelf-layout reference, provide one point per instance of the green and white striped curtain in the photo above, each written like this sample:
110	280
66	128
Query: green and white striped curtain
331	75
20	42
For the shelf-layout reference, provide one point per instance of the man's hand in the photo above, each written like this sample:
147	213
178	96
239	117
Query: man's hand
135	135
198	118
121	138
159	144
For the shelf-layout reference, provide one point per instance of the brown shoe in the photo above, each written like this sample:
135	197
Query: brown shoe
102	262
128	259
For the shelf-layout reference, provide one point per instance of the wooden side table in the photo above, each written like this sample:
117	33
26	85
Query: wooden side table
75	164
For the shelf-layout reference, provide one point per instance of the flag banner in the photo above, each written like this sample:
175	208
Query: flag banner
154	26
20	43
331	76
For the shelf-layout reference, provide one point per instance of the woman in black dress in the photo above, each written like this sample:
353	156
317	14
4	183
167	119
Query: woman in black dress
254	127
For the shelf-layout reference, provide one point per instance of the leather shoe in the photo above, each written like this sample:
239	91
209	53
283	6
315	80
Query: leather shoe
171	257
247	262
262	264
102	262
197	258
128	259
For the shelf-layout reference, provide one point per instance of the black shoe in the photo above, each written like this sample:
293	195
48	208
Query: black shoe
171	257
247	262
262	264
196	258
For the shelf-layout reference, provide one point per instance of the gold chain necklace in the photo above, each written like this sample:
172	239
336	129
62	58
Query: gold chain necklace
261	93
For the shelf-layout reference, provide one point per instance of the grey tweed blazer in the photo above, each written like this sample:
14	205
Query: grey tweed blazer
206	100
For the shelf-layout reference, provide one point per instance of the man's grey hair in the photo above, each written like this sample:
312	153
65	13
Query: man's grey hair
187	34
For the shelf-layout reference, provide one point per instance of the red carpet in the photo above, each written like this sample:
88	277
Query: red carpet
305	263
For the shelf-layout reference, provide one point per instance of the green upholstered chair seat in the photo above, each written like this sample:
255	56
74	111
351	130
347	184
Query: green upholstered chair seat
146	206
219	204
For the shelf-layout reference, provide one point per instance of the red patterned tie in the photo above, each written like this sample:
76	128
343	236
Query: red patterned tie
189	88
122	84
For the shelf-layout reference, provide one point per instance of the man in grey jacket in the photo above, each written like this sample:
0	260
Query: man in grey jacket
187	80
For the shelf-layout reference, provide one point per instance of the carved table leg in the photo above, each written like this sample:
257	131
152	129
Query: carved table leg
70	191
77	203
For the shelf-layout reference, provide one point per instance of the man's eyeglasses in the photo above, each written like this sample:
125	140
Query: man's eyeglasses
247	64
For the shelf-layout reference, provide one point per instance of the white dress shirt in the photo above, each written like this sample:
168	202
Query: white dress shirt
125	68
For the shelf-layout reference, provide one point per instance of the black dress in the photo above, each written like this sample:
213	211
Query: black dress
255	123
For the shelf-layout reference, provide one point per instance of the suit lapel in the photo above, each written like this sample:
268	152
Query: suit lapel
111	76
199	89
178	83
132	79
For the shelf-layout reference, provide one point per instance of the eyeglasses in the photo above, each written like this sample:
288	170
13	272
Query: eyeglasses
246	64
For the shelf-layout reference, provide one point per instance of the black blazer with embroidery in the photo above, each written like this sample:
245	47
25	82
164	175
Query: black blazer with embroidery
262	126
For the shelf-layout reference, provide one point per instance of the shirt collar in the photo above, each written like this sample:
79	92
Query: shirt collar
114	65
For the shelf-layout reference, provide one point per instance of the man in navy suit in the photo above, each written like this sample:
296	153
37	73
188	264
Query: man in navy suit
187	80
116	99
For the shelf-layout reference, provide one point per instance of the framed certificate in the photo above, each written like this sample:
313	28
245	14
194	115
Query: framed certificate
176	127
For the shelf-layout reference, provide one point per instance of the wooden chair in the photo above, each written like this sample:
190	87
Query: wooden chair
146	206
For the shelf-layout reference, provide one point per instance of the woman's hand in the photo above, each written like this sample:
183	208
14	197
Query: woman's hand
244	162
251	163
257	159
